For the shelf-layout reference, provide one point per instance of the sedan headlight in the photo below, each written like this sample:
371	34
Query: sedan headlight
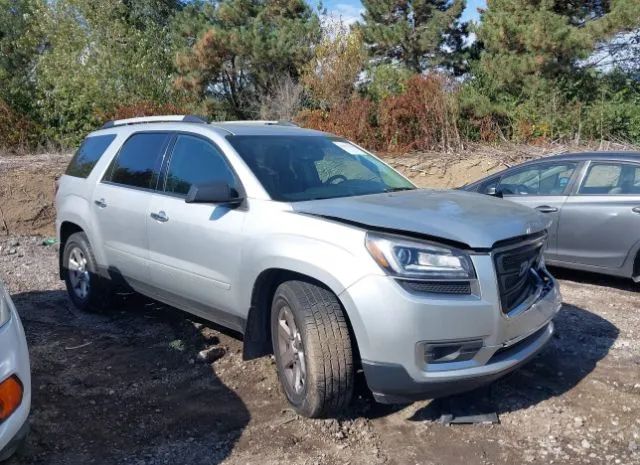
409	258
5	312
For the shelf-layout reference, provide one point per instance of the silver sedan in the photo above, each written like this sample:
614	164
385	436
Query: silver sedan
593	200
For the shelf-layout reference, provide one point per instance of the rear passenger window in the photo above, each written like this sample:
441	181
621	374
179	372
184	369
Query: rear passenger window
138	163
88	155
611	179
196	161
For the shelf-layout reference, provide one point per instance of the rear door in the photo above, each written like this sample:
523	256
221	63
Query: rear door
121	200
600	224
542	186
195	249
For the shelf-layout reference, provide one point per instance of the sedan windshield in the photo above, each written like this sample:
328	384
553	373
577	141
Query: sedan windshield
295	168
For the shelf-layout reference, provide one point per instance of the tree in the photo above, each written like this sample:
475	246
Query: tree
331	75
418	34
18	52
249	47
533	76
527	43
96	56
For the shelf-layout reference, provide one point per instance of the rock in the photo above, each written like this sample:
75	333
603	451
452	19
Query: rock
177	344
633	446
14	243
578	422
585	444
211	354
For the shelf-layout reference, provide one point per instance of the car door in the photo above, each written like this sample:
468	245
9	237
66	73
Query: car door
542	186
600	223
195	249
121	201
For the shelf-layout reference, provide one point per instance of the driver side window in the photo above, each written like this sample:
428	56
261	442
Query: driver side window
547	179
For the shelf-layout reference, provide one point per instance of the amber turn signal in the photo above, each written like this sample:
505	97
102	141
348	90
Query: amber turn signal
10	396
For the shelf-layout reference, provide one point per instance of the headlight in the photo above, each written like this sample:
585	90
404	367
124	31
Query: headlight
417	259
5	312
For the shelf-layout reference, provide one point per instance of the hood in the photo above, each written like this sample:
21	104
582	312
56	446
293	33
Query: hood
476	220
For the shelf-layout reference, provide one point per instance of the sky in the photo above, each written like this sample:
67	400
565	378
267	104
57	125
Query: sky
350	10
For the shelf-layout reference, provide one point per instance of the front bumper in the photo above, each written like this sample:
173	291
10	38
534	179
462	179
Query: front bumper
14	360
393	326
391	384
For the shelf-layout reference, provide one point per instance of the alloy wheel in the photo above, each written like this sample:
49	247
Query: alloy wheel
291	350
79	276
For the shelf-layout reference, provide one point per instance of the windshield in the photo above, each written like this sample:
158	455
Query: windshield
295	168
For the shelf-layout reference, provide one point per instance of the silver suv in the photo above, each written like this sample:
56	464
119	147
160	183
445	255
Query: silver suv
313	249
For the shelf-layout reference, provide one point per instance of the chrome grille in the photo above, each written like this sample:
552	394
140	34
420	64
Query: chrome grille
516	268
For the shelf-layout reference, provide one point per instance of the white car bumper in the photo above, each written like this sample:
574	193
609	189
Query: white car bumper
14	363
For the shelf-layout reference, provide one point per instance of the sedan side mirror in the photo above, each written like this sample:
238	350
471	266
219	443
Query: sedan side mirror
218	192
494	192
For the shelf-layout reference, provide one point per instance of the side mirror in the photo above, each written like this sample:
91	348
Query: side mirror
494	192
217	192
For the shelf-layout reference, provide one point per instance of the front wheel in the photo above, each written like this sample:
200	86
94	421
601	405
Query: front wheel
312	347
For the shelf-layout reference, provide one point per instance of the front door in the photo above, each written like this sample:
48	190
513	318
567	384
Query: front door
543	187
195	249
120	203
600	224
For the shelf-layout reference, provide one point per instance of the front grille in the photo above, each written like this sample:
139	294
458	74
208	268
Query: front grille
516	271
437	287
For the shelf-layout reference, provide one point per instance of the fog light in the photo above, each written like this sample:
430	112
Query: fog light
447	352
10	397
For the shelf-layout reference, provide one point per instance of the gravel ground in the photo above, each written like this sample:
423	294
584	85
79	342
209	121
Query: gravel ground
128	387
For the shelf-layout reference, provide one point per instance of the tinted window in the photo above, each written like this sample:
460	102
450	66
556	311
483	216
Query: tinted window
611	179
138	162
88	155
195	161
295	168
538	180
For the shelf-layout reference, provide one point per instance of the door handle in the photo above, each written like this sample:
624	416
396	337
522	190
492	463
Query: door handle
160	216
546	209
636	210
101	203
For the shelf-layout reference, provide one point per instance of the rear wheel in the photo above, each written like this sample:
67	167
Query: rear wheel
312	347
86	288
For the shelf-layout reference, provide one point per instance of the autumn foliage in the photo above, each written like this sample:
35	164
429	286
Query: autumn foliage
423	117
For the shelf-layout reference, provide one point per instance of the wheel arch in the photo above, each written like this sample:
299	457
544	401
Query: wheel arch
257	334
67	228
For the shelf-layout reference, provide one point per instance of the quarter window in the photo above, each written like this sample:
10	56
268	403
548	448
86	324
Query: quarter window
538	180
196	161
139	160
611	179
88	155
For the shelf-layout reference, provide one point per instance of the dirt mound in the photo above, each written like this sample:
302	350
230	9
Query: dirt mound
27	183
27	190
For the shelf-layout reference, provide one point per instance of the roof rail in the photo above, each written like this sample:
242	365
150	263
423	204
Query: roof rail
155	119
261	123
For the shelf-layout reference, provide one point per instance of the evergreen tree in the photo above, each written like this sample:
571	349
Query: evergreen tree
417	34
533	76
249	47
530	44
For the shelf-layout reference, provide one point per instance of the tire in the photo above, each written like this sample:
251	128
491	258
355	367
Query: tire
315	360
86	288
